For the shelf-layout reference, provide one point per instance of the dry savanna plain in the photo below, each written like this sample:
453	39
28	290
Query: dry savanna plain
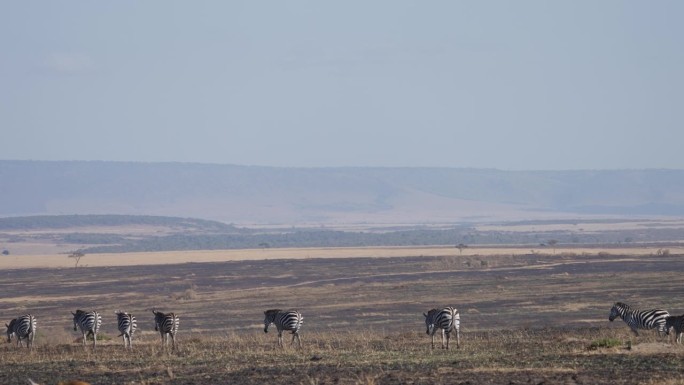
527	317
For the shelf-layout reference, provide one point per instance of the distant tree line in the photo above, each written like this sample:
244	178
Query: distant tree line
197	234
331	238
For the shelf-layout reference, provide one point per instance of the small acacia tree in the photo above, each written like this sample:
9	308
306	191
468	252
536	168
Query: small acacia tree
553	243
76	255
460	247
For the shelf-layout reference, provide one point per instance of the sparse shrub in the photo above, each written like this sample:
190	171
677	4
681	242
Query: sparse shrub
605	343
603	254
187	295
447	263
663	252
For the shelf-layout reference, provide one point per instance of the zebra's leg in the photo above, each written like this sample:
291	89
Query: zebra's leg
458	339
433	340
280	338
299	341
84	339
94	340
447	339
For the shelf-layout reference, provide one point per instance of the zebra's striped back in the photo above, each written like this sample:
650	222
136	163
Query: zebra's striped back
639	319
23	327
126	323
290	320
447	319
676	323
166	322
89	322
167	325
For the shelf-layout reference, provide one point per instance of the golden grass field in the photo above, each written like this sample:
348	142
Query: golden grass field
55	260
527	317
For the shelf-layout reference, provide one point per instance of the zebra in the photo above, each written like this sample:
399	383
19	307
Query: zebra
166	324
676	322
639	319
284	320
23	327
127	324
89	323
448	319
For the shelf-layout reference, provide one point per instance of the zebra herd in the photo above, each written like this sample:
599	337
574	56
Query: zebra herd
89	322
24	327
446	319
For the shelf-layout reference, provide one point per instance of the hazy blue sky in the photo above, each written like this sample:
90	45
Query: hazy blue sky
503	84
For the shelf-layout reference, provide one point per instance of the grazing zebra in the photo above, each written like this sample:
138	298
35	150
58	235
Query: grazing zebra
284	320
676	322
446	319
166	324
639	319
23	327
89	322
127	325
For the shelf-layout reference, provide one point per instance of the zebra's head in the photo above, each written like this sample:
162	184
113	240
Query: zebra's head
430	321
10	330
269	317
158	316
76	316
669	323
617	311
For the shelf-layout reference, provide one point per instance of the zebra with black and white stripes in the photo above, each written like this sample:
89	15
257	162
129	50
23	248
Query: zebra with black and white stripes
675	322
23	328
89	322
639	319
290	320
127	325
447	319
167	325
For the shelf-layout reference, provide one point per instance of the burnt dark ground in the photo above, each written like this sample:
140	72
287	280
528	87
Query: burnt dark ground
513	297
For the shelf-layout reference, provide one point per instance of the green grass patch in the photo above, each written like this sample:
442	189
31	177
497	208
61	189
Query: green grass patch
605	343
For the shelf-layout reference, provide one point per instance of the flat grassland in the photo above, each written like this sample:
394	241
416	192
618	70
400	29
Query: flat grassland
526	318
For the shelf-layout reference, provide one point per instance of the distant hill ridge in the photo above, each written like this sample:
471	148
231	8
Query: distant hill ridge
71	221
272	195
